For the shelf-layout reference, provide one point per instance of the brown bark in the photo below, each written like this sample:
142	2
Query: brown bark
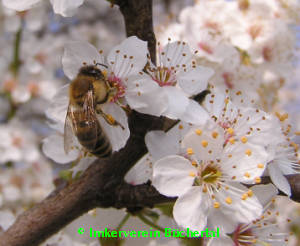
138	21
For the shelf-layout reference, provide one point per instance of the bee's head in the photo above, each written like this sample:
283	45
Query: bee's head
91	70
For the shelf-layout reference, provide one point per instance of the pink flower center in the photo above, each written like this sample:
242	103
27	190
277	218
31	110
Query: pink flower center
239	235
228	78
33	88
228	135
267	53
118	86
205	47
17	141
164	76
211	24
255	31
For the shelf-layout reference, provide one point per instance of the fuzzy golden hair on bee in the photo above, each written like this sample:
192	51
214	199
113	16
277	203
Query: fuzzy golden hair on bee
86	92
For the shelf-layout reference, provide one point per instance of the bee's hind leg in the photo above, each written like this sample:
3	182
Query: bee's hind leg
109	119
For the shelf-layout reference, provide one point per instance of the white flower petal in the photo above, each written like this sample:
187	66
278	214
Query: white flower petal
221	241
201	140
65	7
176	54
177	102
171	175
195	80
20	94
195	114
75	54
244	161
161	144
53	148
7	218
146	96
270	129
57	110
278	179
11	193
217	219
264	193
135	50
141	171
191	209
214	103
19	5
156	139
243	211
117	136
82	165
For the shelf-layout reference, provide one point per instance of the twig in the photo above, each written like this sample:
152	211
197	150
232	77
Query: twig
138	21
15	64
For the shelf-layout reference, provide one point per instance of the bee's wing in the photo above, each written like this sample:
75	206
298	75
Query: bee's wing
68	129
90	116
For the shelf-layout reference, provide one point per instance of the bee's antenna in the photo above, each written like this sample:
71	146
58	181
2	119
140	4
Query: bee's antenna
101	64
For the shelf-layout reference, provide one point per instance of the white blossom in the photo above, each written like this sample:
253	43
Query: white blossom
207	178
178	78
62	7
264	230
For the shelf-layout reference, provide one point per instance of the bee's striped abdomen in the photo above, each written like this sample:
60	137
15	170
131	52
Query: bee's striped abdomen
103	146
99	144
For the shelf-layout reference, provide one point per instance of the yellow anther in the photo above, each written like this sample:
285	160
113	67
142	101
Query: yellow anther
231	140
297	133
250	193
214	134
295	146
230	131
230	155
198	132
216	204
257	180
204	189
244	139
204	143
247	175
189	151
260	165
180	126
192	174
194	163
282	117
244	196
110	119
228	200
248	152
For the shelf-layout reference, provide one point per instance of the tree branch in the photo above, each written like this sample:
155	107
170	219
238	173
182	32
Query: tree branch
138	21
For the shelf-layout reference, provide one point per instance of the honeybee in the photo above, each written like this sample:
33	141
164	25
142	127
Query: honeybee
87	92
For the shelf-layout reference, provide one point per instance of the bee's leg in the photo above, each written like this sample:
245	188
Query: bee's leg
109	119
126	108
